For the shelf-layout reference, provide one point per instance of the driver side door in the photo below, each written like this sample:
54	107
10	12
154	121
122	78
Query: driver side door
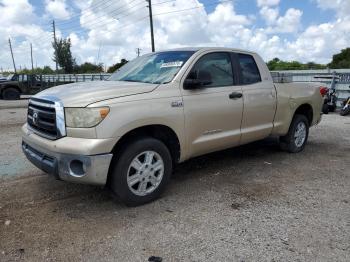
213	112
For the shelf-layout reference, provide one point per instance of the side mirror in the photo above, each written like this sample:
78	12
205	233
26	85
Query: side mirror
190	84
197	80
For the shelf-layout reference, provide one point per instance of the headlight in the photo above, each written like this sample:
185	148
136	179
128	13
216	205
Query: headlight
85	117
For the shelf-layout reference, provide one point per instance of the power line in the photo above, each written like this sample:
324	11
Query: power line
73	27
160	3
110	4
93	18
102	22
99	24
102	3
112	14
123	26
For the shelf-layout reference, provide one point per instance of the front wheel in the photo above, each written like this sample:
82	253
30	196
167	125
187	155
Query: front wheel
297	135
141	171
11	93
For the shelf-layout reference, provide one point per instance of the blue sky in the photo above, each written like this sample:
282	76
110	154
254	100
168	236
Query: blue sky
304	30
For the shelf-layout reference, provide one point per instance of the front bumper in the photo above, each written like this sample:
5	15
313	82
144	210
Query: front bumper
71	165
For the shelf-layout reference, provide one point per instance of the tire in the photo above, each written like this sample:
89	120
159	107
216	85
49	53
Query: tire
290	142
331	108
10	93
131	191
325	109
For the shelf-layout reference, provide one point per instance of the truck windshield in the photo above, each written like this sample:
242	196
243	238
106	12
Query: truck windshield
155	68
9	77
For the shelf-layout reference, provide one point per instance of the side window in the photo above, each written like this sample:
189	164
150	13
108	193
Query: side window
23	78
249	69
214	66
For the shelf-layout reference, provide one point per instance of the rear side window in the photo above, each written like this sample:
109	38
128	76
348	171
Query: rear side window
249	69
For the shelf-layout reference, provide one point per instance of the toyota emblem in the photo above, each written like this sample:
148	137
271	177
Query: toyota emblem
35	117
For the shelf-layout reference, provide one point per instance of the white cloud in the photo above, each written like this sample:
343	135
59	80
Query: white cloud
15	12
320	42
268	2
289	23
342	7
270	15
18	24
57	9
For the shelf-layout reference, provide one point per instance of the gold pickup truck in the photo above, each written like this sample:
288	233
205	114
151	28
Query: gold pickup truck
162	109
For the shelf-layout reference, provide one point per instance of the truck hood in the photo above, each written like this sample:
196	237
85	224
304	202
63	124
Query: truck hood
6	82
85	93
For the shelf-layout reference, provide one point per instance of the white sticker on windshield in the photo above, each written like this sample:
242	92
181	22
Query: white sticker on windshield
172	64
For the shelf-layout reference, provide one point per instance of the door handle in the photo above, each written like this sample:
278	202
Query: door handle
235	95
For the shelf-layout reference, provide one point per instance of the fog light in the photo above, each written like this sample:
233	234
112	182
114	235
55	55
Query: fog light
77	168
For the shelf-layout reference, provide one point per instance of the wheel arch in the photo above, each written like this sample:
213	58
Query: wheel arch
3	88
306	110
161	132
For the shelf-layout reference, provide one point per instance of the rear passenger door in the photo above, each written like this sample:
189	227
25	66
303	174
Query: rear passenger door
259	98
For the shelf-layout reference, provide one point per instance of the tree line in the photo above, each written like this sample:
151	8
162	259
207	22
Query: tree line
339	61
68	65
64	58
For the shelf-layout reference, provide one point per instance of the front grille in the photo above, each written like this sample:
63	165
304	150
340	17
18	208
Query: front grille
43	157
42	118
41	160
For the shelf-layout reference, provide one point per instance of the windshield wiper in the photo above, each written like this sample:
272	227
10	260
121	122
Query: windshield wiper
130	80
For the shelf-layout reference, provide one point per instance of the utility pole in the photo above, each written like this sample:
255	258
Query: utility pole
31	57
151	22
13	60
98	54
54	39
138	51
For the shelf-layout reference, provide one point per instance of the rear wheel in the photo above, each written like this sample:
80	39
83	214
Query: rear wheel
10	93
325	109
332	108
141	171
297	135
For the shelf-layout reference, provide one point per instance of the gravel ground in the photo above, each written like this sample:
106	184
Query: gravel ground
252	203
6	104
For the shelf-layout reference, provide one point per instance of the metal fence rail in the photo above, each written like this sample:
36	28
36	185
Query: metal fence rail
339	79
75	77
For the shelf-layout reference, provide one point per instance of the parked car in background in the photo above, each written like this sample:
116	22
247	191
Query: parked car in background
19	84
2	78
10	77
162	109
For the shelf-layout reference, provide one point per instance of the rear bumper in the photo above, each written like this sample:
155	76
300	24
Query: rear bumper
76	160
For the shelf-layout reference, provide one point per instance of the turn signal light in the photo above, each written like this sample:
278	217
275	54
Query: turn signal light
104	112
